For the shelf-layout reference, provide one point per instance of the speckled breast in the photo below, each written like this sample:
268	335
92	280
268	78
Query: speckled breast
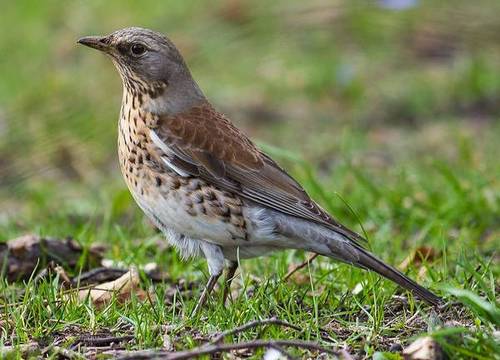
187	205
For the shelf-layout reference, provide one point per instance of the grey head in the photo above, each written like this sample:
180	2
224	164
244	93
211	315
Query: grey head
148	60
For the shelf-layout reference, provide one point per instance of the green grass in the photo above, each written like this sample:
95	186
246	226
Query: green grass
401	207
379	129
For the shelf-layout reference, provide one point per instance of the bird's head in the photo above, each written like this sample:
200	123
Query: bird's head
145	59
140	53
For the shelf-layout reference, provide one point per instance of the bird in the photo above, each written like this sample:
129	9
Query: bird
203	182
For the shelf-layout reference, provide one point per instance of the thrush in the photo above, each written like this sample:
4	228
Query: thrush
203	182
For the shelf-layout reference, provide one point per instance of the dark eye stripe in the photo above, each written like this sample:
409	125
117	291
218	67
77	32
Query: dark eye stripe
127	48
122	48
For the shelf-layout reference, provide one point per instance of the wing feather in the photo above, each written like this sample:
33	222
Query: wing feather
203	142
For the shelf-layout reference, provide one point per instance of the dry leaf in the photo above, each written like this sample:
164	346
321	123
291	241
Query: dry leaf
111	270
295	275
66	282
425	348
299	278
121	288
21	256
418	256
52	268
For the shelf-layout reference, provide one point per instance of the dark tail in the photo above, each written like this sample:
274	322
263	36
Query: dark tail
342	245
370	262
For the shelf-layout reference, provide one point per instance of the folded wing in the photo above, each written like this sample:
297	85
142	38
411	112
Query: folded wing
204	143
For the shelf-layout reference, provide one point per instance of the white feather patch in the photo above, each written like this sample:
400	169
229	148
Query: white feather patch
166	150
174	168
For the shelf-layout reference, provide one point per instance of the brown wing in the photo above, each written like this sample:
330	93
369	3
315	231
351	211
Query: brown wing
203	142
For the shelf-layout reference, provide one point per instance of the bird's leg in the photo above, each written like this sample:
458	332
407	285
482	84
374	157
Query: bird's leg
215	259
206	291
233	265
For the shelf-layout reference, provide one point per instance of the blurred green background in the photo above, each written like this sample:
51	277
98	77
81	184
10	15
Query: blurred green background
389	108
363	93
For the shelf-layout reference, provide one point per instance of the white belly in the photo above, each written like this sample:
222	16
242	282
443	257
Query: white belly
169	212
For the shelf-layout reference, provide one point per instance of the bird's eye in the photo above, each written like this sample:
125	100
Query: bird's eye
137	49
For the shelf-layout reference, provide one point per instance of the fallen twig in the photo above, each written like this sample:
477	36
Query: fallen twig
66	353
300	266
216	345
24	349
52	268
101	341
252	324
218	348
98	275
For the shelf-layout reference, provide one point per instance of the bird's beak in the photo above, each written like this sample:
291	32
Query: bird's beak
96	42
